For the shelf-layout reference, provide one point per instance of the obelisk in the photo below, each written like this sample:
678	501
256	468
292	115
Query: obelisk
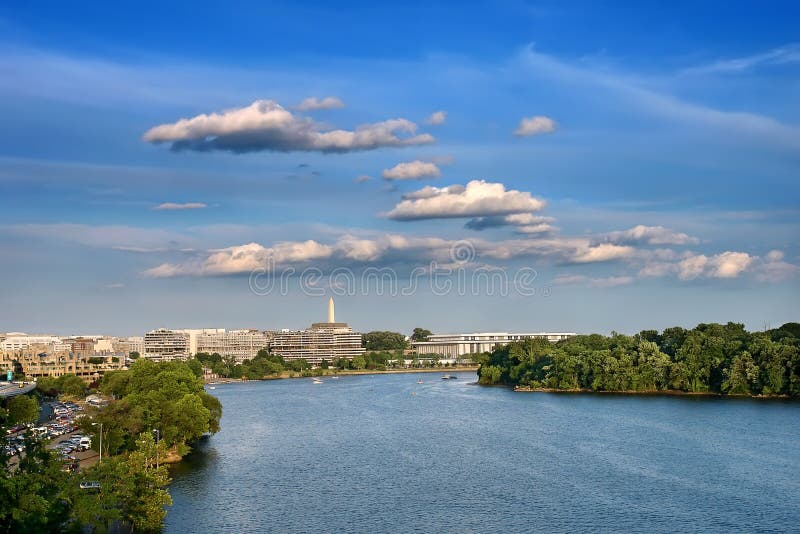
331	315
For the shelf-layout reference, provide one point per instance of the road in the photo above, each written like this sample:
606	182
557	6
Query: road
13	389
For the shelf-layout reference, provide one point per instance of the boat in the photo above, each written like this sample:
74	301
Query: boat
211	387
316	381
419	381
449	377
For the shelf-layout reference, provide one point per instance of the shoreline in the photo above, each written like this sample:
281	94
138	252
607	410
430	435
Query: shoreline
651	393
290	375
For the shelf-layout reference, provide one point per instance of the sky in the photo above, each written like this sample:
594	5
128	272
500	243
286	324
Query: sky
465	166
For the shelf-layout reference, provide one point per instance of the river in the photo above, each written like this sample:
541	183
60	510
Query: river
382	453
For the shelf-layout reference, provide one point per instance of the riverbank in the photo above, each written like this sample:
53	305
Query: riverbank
650	392
333	372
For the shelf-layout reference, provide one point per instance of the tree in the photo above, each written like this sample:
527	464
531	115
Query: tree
70	385
383	341
421	334
359	362
23	409
133	355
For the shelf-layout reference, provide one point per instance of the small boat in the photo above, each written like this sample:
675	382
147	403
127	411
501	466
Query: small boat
316	381
449	377
211	387
419	381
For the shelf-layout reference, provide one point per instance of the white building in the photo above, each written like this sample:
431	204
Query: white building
237	344
17	341
323	341
455	345
165	345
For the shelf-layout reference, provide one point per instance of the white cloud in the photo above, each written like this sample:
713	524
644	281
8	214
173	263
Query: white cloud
178	206
412	170
312	103
603	252
730	264
266	125
362	178
536	125
651	235
774	255
245	258
478	199
436	118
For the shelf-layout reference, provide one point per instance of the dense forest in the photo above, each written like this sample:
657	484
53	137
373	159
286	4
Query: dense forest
710	358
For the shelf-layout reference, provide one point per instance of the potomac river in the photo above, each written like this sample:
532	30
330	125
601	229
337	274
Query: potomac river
383	453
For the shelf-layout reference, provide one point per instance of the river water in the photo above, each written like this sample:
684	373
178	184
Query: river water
383	453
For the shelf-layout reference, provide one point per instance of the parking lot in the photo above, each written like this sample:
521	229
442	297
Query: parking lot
58	426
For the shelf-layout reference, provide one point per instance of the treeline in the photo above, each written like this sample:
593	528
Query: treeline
266	364
710	358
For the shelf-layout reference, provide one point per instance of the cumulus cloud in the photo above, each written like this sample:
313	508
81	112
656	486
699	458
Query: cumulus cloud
436	118
478	199
412	170
730	264
312	103
536	125
651	235
169	206
266	125
362	178
689	266
245	258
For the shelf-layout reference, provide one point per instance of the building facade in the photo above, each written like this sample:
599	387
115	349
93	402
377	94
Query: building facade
166	345
237	344
323	341
456	345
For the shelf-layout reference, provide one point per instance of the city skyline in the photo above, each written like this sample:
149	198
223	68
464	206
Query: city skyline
640	179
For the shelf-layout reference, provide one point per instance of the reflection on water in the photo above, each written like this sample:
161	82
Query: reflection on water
385	453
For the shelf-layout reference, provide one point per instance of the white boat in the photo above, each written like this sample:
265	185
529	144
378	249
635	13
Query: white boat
316	381
211	387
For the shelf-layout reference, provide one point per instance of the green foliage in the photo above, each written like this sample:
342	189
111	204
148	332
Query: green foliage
383	341
70	385
421	334
724	359
22	409
33	498
167	396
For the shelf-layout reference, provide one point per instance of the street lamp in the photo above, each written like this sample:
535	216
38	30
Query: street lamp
157	433
101	441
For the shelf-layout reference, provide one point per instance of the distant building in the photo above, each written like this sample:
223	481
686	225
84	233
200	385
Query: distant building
323	341
455	345
83	346
237	344
166	345
16	341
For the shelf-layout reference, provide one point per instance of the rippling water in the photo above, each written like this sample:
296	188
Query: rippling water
383	453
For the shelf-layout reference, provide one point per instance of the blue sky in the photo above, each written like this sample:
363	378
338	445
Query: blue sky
641	159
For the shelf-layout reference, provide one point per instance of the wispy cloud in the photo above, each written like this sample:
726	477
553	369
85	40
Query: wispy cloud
312	103
170	206
782	55
436	118
663	104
